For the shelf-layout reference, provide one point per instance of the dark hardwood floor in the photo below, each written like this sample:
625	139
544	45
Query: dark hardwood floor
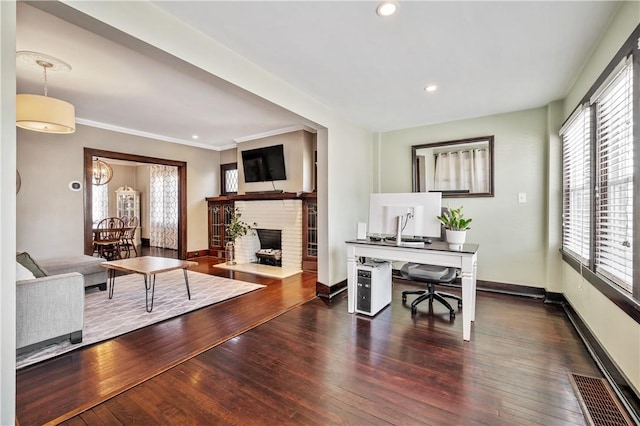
317	364
55	390
156	251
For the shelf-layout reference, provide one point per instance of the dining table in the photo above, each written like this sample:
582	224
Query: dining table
107	236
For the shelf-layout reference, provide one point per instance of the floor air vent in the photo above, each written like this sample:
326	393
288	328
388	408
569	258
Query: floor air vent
598	402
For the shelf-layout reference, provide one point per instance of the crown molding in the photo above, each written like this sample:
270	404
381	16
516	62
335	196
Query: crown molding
134	132
275	133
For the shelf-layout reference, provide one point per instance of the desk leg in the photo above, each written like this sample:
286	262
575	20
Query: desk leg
149	284
473	293
468	275
186	281
111	278
351	280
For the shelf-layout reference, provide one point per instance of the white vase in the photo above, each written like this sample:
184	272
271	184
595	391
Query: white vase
456	239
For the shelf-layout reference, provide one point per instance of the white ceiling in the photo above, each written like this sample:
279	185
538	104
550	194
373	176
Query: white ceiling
485	57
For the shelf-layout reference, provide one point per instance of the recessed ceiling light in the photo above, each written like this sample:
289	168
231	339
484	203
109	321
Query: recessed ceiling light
431	88
386	8
195	137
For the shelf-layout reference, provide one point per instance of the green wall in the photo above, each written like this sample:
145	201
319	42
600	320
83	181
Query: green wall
512	235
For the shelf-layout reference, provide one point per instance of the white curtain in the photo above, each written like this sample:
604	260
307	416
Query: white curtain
100	194
163	209
462	170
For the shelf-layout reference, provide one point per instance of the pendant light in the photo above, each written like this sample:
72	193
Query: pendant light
101	173
43	113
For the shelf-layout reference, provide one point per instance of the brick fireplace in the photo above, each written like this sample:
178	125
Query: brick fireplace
283	215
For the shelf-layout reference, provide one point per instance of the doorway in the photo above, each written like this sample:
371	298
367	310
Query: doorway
90	153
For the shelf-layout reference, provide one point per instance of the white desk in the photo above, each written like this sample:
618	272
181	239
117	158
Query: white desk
436	253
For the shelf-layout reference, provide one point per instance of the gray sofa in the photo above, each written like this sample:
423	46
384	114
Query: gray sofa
89	266
51	307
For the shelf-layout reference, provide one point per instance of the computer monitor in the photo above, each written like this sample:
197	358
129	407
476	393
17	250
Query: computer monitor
418	212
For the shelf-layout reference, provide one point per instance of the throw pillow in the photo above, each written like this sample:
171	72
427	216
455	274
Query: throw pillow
28	262
23	273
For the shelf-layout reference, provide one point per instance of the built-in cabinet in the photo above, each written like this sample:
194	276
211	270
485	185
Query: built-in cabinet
220	214
310	232
221	210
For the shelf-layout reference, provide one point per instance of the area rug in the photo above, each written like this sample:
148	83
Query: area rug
105	319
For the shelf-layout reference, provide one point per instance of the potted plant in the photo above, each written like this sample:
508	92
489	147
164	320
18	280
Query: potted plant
456	227
234	229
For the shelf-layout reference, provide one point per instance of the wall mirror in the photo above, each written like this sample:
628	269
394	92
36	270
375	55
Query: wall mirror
459	168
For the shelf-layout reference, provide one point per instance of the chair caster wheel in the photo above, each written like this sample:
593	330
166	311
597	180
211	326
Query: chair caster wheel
452	315
459	303
414	310
404	298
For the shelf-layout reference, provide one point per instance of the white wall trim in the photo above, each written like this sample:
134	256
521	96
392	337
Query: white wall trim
275	133
148	135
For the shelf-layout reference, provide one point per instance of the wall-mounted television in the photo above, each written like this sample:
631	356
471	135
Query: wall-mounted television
264	164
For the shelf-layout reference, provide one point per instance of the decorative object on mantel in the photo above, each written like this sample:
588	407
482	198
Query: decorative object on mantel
456	227
236	228
102	172
44	113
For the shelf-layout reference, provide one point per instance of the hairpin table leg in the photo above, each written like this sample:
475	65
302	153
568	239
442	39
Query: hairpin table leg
111	278
149	284
186	281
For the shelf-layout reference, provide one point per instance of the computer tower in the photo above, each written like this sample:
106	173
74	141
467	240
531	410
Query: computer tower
373	287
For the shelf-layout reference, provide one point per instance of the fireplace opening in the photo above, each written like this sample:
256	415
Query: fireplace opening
270	252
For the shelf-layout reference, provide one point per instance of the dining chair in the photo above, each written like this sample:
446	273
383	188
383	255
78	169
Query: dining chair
108	238
128	236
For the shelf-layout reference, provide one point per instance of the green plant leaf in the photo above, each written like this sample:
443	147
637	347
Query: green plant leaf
453	219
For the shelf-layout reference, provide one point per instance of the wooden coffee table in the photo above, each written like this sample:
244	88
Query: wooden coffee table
148	266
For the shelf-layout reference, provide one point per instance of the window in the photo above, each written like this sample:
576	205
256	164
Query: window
576	171
597	182
100	204
229	178
163	206
614	189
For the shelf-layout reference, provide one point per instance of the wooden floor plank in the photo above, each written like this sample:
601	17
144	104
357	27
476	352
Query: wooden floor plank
57	389
317	364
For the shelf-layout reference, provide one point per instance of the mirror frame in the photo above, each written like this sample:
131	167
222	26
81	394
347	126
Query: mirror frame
414	163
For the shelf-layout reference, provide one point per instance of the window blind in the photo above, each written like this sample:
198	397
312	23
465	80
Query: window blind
614	188
576	172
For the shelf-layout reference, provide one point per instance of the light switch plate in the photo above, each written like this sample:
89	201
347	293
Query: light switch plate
522	197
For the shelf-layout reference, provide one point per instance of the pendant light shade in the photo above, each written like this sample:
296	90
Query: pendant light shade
42	113
45	114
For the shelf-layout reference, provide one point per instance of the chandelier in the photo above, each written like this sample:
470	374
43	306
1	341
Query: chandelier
101	173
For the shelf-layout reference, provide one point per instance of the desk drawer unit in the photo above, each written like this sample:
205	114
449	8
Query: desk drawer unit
373	287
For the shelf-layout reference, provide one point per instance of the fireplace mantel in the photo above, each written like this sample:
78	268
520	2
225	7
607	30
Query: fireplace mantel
264	196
